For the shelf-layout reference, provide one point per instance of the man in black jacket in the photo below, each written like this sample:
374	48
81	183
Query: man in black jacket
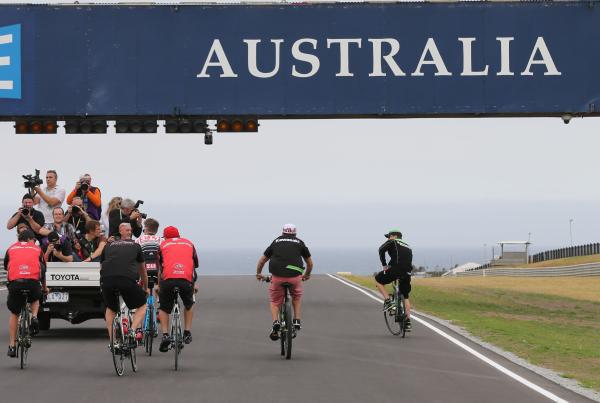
126	214
399	267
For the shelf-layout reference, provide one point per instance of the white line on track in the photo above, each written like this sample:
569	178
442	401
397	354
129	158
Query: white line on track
460	344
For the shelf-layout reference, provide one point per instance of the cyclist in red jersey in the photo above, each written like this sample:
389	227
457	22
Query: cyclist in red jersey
178	261
24	261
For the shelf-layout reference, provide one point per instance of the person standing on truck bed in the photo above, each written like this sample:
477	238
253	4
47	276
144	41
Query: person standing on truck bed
26	268
122	264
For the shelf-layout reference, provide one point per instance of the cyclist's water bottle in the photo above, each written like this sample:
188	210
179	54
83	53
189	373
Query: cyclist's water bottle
125	325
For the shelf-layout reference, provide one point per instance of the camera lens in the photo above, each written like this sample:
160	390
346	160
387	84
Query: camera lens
25	211
85	187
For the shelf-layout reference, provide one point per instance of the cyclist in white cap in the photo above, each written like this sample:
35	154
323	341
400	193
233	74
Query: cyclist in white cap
285	256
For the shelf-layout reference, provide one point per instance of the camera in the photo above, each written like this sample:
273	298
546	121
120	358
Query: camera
75	210
136	207
25	211
32	181
84	186
54	238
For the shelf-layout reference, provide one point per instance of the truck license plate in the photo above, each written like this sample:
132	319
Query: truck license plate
57	297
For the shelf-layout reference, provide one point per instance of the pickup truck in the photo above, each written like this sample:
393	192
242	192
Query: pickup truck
74	293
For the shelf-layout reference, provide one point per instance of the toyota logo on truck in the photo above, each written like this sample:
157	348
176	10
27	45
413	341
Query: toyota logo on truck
64	277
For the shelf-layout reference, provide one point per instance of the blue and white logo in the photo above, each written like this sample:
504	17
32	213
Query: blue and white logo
10	61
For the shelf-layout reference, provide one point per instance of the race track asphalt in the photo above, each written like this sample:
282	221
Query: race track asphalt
344	353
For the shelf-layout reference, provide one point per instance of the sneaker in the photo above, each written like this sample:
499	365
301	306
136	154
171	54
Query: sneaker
187	336
35	326
275	331
164	343
297	325
12	351
387	304
408	325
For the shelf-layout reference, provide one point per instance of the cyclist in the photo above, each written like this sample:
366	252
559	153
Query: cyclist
26	267
178	261
150	243
399	267
122	264
285	256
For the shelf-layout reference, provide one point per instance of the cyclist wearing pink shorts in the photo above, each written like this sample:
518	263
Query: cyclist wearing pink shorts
285	255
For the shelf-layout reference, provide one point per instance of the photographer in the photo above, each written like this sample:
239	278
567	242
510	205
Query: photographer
90	196
59	225
49	197
92	244
128	213
27	215
57	248
77	217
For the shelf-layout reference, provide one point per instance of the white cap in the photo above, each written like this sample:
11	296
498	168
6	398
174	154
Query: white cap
289	229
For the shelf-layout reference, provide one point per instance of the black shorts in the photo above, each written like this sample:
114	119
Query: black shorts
132	293
167	298
152	278
391	274
15	299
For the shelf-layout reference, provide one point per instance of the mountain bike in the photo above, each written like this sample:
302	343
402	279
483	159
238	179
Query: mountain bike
23	341
122	340
395	316
286	332
150	323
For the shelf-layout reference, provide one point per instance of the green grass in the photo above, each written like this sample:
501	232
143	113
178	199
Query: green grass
569	261
552	331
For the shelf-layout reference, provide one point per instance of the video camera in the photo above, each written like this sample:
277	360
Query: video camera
137	206
32	181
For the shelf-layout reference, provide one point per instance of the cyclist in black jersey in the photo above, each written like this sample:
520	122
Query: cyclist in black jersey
399	267
150	243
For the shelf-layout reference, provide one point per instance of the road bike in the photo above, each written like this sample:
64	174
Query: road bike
176	335
150	323
286	332
395	315
23	341
122	340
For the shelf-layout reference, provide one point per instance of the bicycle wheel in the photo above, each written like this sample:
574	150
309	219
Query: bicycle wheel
132	347
289	329
176	337
23	337
281	332
149	330
402	315
117	345
391	317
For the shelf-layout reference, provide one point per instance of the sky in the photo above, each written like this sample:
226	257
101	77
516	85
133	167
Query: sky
447	184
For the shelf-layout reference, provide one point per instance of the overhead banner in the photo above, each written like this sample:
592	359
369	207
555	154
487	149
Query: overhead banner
302	60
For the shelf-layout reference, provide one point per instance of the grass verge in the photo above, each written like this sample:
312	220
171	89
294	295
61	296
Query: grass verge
570	261
550	322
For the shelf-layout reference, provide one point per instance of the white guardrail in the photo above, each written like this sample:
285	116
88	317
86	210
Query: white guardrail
581	270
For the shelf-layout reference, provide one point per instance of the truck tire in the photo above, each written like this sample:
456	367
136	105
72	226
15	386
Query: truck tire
44	320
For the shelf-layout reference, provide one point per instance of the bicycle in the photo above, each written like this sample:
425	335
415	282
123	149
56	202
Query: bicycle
23	341
150	323
286	331
122	343
176	334
395	316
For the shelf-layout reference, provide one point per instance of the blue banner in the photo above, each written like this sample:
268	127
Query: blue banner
303	60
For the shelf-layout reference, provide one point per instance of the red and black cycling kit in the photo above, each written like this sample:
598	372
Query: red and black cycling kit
26	268
178	261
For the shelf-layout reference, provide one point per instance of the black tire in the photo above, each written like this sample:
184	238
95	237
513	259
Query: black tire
288	330
392	321
116	338
23	335
176	337
44	319
149	336
133	343
402	318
